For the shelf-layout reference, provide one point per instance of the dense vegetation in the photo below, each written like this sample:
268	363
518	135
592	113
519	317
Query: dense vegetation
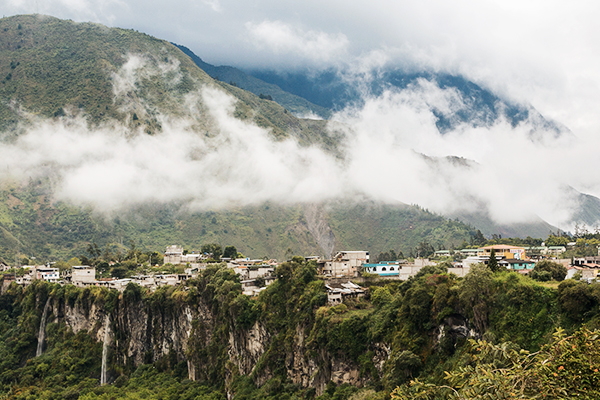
423	321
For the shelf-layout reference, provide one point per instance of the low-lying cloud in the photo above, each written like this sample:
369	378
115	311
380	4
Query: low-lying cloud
110	168
392	152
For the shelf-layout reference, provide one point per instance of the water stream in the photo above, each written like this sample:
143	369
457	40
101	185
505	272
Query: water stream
42	332
104	351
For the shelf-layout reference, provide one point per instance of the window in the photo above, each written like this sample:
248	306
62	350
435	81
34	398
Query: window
383	269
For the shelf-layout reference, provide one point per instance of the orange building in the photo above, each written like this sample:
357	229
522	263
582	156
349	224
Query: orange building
503	251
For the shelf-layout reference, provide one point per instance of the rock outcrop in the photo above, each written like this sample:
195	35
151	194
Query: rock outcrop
142	332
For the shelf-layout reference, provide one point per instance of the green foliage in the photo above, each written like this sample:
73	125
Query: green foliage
61	231
389	256
478	239
546	270
413	319
476	295
401	366
493	263
554	240
578	301
213	249
522	312
566	368
230	252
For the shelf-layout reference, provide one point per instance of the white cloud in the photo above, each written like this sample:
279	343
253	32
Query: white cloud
286	40
544	53
215	5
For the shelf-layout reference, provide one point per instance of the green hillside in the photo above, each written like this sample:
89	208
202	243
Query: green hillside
536	229
51	67
31	224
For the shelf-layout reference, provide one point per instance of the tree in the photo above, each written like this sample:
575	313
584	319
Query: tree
119	272
230	252
475	295
546	268
554	240
478	238
424	249
493	263
387	256
94	251
156	258
213	249
566	368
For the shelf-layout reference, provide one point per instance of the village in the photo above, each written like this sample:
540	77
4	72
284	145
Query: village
342	273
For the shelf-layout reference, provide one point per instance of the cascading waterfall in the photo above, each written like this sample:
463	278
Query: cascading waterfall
104	351
42	332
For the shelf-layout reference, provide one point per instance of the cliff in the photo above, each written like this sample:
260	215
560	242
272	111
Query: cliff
207	328
208	340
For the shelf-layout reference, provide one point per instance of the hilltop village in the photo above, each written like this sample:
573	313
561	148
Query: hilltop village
343	272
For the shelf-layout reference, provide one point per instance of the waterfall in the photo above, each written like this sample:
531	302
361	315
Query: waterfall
104	351
42	332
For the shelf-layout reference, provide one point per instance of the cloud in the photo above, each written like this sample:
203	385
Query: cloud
215	5
112	167
286	40
392	152
541	53
396	154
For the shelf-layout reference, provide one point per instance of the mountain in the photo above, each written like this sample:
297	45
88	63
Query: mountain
51	67
536	229
55	70
588	210
336	89
296	104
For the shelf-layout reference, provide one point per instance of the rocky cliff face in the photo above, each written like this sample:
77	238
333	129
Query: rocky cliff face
140	332
316	222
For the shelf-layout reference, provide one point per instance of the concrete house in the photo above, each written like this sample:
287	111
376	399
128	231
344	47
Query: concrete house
523	266
338	292
345	263
386	268
83	274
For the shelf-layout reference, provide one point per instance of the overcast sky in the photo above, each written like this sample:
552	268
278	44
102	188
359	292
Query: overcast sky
544	53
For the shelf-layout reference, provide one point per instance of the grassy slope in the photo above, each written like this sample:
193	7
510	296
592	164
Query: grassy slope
536	229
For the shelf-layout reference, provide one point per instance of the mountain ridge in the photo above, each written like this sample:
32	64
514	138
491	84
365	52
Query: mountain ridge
296	104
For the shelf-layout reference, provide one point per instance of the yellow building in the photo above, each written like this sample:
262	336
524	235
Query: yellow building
503	251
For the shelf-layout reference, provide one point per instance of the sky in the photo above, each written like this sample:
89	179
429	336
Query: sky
542	53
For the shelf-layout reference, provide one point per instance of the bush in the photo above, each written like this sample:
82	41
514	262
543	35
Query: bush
557	271
542	276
